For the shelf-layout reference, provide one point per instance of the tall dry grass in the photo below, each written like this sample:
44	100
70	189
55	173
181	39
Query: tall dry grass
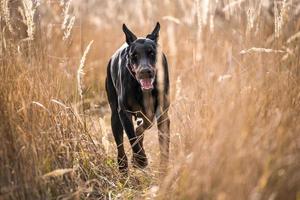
235	94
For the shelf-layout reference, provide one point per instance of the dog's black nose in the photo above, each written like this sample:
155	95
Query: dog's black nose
146	73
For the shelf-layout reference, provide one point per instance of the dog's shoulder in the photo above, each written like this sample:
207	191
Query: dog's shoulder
116	60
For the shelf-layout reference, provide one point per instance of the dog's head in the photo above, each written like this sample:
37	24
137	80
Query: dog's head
142	56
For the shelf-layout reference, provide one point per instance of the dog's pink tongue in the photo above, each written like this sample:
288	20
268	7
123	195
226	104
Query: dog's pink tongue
146	83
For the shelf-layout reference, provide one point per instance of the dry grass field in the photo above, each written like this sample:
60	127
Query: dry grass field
235	99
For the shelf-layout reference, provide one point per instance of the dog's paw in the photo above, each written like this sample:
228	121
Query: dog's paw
139	161
123	164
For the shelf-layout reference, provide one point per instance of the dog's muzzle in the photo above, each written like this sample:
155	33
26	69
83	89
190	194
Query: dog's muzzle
146	78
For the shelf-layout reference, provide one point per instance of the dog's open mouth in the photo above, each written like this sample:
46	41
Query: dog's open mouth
146	83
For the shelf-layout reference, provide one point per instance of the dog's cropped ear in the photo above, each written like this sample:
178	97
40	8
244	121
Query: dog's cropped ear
155	33
130	37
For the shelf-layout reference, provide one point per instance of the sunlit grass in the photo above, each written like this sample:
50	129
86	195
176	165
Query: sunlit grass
235	100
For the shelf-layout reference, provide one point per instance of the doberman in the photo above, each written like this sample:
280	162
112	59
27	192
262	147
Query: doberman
134	91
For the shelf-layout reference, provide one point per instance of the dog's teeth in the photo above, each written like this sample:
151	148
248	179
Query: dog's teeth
146	83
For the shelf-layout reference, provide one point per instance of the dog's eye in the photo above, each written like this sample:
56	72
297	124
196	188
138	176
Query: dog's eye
134	56
151	53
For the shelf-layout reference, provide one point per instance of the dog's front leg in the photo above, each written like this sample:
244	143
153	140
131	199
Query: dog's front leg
163	123
139	157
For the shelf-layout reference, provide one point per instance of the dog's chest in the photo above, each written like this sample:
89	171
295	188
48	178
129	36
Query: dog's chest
148	102
145	106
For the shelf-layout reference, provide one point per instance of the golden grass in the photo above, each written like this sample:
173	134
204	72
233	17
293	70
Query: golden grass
235	111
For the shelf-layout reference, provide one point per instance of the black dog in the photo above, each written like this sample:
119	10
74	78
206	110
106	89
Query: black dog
133	91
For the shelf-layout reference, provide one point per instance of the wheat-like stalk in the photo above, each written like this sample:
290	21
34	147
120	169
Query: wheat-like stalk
80	71
69	27
6	14
66	8
68	21
260	50
279	15
250	19
28	17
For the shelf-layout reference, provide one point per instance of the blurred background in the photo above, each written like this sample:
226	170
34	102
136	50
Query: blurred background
235	99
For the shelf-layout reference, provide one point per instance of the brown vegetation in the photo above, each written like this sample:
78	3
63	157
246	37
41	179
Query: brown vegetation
235	93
